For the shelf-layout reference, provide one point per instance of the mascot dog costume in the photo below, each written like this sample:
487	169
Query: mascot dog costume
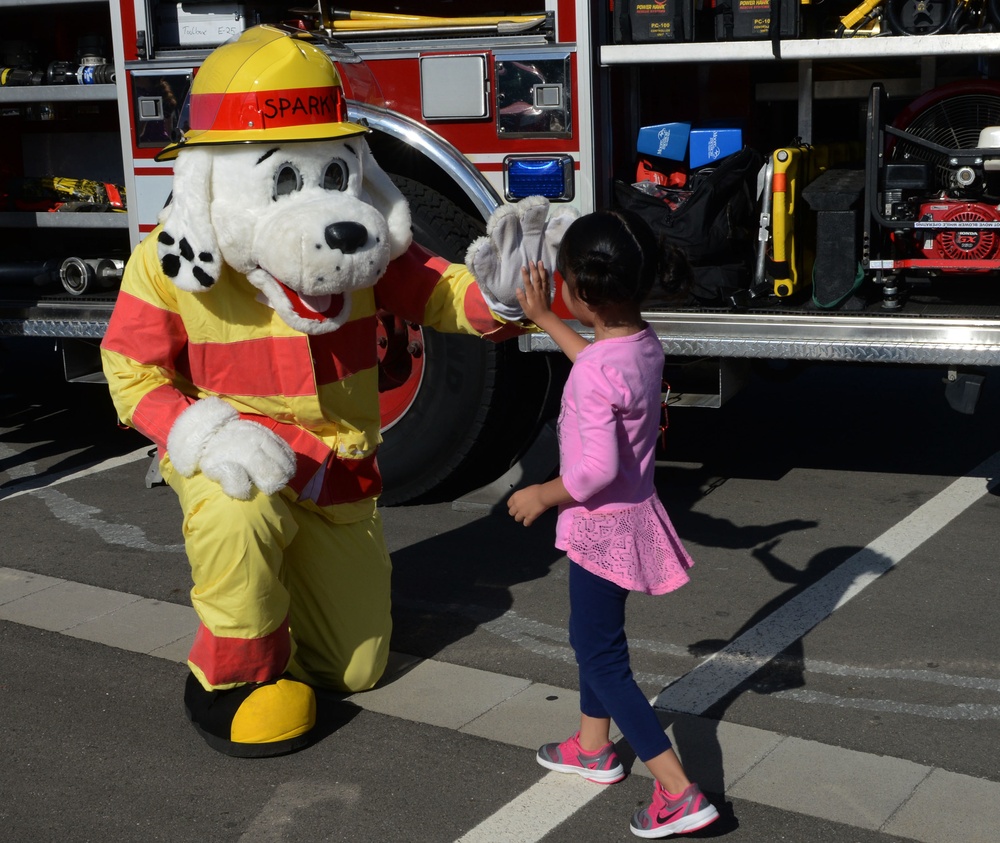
243	344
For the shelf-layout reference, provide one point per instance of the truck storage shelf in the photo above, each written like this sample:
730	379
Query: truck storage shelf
818	49
57	93
820	338
45	219
25	4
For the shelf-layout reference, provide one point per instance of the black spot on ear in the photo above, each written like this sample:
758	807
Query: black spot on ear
171	265
186	251
206	257
165	239
203	277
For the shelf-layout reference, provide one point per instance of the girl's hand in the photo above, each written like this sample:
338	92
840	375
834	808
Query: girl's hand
536	303
534	295
526	504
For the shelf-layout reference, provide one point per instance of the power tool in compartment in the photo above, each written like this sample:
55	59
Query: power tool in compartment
933	188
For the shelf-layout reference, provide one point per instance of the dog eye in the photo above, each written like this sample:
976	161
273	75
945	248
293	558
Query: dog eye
286	180
336	175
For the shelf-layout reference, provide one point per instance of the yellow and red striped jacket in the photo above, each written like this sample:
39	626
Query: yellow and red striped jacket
165	348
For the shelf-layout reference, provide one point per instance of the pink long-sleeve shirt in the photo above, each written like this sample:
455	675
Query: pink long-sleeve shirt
608	424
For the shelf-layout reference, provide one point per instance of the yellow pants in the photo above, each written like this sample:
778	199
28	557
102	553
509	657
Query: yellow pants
284	586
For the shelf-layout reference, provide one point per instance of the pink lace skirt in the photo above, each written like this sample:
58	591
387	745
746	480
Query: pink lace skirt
635	547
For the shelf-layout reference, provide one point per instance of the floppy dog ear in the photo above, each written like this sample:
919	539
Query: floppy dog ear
187	246
386	198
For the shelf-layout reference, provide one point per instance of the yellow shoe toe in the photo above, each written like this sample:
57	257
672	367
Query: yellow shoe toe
275	713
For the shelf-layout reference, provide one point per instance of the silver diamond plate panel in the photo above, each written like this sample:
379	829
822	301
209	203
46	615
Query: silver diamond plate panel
861	339
77	329
848	351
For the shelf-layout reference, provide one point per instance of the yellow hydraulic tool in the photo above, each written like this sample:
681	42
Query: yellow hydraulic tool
793	229
789	174
863	12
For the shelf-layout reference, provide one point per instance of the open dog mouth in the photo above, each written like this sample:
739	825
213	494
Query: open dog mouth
318	308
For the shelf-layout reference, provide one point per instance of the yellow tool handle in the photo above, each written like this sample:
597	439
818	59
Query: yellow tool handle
399	22
350	14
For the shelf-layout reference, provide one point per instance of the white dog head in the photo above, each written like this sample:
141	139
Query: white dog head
308	223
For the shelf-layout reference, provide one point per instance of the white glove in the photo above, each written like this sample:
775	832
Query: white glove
515	235
238	454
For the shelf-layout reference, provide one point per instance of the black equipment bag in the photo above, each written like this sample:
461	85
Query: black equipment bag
715	227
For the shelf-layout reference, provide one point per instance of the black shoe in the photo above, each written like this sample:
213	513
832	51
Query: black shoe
258	720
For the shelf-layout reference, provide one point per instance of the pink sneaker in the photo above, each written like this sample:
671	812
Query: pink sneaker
602	766
668	814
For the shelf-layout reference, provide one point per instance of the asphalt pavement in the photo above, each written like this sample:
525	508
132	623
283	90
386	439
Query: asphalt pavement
830	675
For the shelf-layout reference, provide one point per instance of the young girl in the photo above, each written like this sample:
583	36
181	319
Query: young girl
611	522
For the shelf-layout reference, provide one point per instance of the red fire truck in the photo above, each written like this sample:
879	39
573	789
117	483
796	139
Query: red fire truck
832	170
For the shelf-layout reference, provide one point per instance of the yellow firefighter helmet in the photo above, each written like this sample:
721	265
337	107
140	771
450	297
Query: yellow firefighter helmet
267	86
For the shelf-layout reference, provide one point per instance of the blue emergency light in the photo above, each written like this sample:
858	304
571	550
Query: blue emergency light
533	175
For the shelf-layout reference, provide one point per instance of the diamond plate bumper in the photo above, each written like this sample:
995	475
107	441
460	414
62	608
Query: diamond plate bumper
825	337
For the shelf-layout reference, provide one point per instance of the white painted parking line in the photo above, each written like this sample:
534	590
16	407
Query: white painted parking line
741	658
33	481
553	799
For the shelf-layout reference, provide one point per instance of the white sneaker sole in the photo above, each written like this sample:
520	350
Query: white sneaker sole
685	825
616	774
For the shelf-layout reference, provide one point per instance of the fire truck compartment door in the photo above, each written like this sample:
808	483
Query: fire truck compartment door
453	87
533	95
158	97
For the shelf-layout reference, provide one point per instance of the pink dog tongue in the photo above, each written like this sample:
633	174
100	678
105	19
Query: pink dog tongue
317	308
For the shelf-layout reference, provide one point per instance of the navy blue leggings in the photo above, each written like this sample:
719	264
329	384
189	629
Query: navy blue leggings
607	689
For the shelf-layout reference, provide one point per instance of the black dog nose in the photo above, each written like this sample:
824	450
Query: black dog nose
346	236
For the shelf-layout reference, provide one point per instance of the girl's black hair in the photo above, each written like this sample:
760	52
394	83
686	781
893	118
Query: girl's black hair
615	258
